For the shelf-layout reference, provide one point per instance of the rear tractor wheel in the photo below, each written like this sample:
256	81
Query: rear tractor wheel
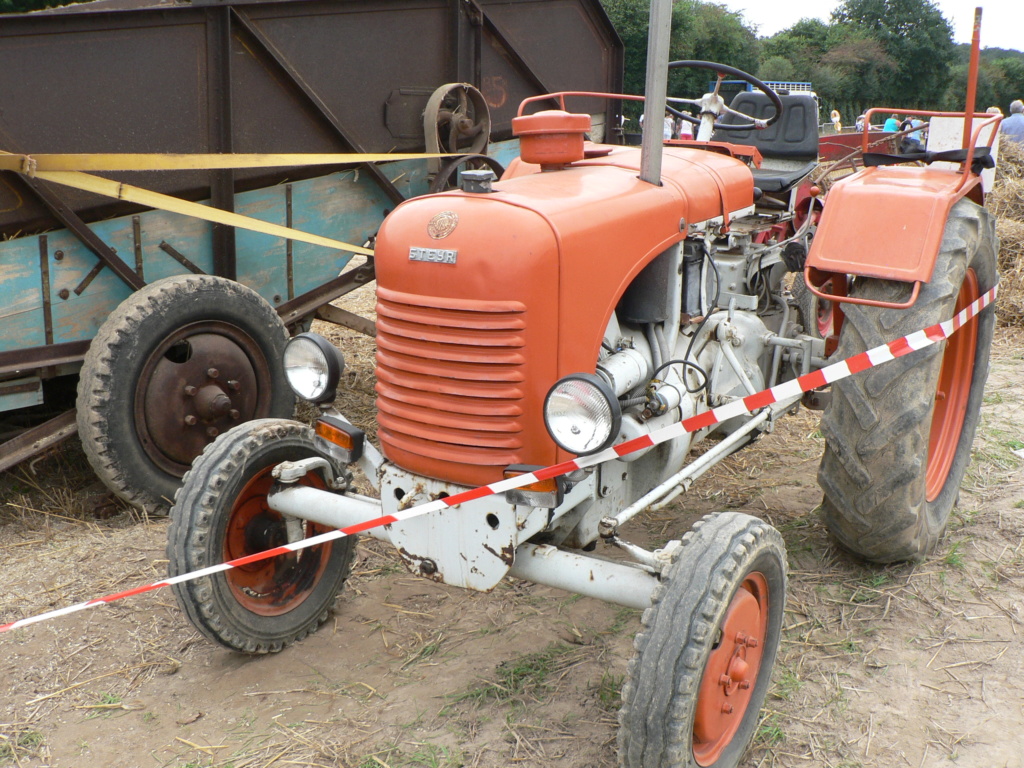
898	437
704	655
221	514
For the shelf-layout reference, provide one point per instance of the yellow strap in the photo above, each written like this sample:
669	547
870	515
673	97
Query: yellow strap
150	199
31	164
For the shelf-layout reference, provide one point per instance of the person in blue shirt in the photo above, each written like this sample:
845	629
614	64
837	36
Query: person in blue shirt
1012	128
892	124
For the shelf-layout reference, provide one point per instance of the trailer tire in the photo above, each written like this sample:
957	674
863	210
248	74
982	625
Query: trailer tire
220	514
895	452
725	587
206	335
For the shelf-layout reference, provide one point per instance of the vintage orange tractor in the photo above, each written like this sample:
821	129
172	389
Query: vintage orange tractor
591	296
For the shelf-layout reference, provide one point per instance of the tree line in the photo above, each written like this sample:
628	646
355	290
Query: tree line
871	53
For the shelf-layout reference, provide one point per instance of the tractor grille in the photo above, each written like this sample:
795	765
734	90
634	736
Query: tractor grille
449	382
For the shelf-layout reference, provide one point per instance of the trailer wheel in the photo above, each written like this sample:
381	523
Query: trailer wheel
898	437
705	652
176	364
816	315
221	514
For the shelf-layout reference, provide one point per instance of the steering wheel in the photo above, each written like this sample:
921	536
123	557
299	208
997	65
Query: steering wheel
724	71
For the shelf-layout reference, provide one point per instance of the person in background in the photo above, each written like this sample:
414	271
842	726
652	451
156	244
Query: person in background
1012	128
994	111
860	122
837	121
669	126
683	129
892	124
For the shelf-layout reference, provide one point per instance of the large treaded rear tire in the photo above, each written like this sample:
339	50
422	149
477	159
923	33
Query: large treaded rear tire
729	574
220	514
132	404
877	428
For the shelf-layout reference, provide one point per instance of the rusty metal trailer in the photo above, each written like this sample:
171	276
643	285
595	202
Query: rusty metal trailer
274	76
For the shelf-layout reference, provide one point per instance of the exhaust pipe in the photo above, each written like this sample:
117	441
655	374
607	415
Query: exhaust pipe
656	90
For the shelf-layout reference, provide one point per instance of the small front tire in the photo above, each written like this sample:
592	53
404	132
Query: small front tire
705	652
221	514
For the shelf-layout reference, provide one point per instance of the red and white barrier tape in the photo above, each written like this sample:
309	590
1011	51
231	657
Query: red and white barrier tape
826	375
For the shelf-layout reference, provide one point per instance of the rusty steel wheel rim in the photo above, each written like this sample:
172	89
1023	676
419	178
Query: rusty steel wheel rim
730	674
279	584
952	393
201	380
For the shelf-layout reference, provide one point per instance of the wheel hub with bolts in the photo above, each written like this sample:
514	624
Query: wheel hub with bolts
732	667
199	383
269	587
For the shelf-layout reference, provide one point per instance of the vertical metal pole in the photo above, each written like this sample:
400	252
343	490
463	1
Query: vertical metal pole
222	182
972	78
656	90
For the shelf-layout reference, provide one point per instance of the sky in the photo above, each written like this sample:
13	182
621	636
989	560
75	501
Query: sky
1002	21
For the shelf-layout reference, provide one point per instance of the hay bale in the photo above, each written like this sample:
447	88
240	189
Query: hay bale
1006	202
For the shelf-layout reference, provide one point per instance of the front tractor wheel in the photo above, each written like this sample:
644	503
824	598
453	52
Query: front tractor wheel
705	653
898	437
221	514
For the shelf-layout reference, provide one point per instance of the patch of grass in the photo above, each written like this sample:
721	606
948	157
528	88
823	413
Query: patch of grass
106	704
24	742
425	652
1019	504
1014	445
424	756
964	517
954	558
609	691
787	682
622	619
769	732
526	676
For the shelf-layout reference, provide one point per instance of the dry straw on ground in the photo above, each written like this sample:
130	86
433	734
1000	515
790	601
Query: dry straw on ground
1006	201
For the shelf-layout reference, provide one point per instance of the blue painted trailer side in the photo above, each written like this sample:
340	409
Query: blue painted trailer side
347	205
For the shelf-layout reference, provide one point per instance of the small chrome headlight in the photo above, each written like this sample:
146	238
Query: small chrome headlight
582	414
313	366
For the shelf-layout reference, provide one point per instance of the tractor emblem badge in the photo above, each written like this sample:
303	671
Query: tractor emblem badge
443	224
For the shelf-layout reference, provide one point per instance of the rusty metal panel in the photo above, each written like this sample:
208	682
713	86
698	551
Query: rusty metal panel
300	76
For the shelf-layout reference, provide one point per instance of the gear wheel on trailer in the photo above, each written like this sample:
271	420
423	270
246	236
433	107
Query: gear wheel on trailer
898	438
705	652
177	363
221	514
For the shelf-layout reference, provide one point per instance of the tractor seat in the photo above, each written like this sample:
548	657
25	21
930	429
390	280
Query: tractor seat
789	147
772	180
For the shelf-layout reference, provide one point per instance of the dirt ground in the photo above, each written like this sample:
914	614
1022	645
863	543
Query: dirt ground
906	665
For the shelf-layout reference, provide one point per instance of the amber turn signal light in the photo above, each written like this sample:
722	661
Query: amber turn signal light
341	440
543	493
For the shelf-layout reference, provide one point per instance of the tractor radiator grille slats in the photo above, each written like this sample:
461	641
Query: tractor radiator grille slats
449	377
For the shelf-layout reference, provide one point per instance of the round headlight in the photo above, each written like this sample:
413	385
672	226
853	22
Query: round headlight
313	366
582	414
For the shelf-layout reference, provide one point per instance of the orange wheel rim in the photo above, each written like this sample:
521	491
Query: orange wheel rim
730	675
951	394
279	584
824	319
